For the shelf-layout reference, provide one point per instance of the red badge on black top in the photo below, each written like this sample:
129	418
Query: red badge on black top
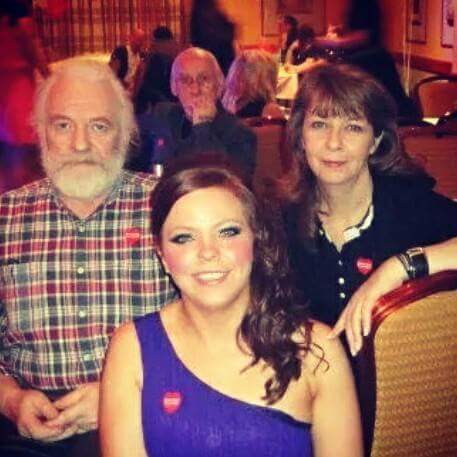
171	402
364	265
132	236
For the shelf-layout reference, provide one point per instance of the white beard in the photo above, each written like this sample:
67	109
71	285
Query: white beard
85	179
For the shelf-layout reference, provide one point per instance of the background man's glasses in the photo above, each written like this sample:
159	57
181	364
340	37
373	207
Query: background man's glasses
201	80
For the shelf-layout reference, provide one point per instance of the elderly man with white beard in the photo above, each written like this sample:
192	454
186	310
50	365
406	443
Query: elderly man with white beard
76	260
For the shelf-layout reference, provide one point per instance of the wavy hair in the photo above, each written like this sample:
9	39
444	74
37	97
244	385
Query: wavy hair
90	71
340	90
252	76
275	314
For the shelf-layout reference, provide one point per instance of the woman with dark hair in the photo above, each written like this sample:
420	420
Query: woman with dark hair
301	54
356	200
288	28
234	367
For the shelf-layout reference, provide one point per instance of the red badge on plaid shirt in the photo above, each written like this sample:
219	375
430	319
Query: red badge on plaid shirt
364	265
171	402
132	235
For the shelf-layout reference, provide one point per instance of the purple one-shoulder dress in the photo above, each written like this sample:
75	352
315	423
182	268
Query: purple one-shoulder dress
183	416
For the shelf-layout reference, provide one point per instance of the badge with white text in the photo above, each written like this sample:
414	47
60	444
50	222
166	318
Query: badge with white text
171	402
364	265
132	236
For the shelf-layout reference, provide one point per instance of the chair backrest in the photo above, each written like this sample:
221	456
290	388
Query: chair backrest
436	95
413	349
273	157
436	150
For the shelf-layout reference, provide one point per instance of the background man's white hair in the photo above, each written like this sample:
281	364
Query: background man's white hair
84	69
202	54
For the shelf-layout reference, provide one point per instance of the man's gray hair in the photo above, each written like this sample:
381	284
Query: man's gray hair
202	54
80	68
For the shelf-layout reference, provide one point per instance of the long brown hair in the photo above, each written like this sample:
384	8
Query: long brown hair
343	91
275	314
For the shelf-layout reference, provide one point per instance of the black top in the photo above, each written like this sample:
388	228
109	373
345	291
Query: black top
252	109
210	29
407	213
155	86
300	54
170	134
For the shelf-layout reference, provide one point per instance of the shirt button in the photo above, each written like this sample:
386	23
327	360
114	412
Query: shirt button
80	270
340	280
82	313
87	357
81	228
342	295
340	263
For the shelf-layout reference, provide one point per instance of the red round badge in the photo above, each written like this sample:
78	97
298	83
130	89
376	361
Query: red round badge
171	402
132	235
364	265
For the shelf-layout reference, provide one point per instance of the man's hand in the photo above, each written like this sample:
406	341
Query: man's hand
33	413
201	110
356	317
78	409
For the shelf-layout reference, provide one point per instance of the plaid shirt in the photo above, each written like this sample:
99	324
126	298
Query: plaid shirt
66	283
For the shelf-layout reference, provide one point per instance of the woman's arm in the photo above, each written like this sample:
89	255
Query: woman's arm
356	317
120	403
309	63
336	417
289	53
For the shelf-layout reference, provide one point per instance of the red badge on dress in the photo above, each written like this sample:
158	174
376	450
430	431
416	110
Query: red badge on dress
132	235
171	402
364	265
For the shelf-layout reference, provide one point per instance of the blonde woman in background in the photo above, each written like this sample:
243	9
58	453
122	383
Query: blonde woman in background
250	87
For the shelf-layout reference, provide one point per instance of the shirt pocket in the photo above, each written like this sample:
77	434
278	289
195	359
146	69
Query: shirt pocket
24	292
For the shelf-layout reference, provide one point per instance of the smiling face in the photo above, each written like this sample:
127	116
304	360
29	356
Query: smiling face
207	247
81	151
337	148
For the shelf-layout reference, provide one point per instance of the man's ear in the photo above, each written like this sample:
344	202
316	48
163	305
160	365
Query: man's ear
173	87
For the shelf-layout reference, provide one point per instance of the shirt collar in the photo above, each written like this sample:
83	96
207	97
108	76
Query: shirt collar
354	231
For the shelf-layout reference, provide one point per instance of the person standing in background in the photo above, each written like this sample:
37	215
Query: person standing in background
288	29
210	29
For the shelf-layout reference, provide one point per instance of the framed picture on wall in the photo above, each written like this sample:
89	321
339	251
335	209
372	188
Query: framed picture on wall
269	11
296	6
447	23
309	11
416	21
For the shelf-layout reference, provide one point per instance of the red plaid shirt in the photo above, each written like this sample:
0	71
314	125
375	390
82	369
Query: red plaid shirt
66	283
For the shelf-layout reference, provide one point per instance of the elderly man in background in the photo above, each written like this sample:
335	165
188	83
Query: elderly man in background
76	260
199	122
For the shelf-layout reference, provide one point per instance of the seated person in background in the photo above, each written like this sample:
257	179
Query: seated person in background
356	200
301	55
125	59
76	260
288	34
251	84
152	83
235	366
198	122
